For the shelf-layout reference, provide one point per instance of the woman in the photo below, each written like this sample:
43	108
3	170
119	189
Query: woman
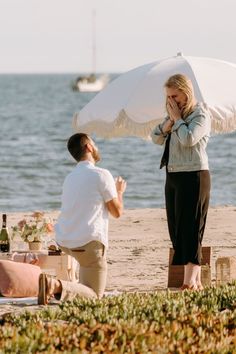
185	132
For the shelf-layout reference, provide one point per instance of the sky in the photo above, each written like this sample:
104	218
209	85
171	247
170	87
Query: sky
43	36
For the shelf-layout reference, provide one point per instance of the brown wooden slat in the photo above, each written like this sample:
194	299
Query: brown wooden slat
176	272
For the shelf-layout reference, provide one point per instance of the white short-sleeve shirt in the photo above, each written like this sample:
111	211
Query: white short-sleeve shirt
84	215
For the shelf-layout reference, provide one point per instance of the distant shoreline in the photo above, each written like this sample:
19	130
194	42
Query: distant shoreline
126	209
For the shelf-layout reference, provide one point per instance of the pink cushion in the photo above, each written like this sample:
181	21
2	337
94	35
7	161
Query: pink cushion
18	279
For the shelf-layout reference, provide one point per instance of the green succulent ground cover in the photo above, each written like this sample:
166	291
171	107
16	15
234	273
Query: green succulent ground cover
160	322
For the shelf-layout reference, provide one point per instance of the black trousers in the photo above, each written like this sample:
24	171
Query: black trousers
187	199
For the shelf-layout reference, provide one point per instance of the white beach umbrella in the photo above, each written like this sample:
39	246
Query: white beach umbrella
134	103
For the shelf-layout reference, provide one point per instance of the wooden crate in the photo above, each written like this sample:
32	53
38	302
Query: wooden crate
225	270
61	265
176	272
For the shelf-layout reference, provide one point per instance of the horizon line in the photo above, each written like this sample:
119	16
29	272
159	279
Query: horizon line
58	72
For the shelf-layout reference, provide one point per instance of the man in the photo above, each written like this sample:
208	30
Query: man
89	195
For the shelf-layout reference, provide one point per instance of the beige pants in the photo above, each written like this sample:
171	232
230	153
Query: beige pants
92	272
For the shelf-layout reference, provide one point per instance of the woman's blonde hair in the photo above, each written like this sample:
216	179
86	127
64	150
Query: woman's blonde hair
184	84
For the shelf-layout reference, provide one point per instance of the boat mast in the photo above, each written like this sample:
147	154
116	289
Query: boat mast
94	41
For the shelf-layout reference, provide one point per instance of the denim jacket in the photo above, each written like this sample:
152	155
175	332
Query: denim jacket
189	138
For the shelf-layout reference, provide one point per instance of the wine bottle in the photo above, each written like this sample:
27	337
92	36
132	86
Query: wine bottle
4	236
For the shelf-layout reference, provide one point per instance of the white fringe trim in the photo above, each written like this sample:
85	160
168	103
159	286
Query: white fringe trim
120	127
223	121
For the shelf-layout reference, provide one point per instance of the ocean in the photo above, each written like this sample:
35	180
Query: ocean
35	116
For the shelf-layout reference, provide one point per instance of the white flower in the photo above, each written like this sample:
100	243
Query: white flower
30	238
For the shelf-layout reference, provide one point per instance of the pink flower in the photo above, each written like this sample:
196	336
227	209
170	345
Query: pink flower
38	215
21	224
49	228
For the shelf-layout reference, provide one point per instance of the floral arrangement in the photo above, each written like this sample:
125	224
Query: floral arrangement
33	230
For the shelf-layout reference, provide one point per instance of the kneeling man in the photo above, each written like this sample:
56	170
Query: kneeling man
89	195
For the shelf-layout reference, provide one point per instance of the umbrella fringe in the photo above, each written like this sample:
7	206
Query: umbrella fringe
223	120
122	126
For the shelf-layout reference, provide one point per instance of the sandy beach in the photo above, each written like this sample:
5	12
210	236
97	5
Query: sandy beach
139	246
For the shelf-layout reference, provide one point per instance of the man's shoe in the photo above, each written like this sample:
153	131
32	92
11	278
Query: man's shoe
46	288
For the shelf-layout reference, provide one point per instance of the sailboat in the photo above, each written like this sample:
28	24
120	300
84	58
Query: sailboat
92	82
